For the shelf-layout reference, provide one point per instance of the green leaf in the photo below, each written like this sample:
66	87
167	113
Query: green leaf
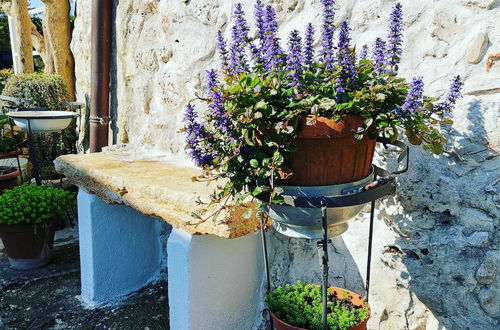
254	163
257	191
248	213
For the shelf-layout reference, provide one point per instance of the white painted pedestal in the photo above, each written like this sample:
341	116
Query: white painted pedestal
213	283
120	250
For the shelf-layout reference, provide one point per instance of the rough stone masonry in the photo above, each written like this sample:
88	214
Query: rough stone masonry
436	259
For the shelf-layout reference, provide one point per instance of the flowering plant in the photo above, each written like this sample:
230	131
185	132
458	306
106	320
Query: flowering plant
253	117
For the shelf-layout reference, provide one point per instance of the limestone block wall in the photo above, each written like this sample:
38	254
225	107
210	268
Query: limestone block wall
436	256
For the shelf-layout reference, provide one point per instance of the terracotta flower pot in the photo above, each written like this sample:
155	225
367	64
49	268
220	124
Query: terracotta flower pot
328	153
9	154
8	177
357	300
25	247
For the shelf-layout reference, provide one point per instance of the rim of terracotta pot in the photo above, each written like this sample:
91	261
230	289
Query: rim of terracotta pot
327	128
8	154
11	175
331	288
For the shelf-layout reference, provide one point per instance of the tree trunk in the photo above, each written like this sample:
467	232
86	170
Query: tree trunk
56	30
19	11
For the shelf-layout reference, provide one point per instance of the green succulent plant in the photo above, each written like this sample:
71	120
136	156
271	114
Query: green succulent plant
300	305
32	204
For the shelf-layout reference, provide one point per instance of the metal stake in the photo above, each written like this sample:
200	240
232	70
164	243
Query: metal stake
370	244
16	149
266	263
33	159
323	255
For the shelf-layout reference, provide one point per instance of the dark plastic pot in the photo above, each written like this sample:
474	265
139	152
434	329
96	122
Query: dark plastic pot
357	300
8	177
329	154
25	247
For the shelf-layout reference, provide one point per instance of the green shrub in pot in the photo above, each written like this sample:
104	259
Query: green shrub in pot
29	215
32	204
300	305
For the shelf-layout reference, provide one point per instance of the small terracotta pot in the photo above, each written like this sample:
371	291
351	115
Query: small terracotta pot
9	154
328	153
9	180
357	300
25	247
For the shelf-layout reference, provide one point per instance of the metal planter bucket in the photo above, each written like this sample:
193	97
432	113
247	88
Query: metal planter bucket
305	222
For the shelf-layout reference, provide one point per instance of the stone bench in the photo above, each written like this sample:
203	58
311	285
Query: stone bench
135	224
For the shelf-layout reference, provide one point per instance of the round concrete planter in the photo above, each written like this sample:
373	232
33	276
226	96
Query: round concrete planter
8	177
26	247
357	300
304	222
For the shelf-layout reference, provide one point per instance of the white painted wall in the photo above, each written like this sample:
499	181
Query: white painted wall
120	250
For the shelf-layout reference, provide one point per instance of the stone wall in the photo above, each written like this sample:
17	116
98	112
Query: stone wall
436	258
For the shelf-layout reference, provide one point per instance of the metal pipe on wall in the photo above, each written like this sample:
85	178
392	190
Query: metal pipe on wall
100	73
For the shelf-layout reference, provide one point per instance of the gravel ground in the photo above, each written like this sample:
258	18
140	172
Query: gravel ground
47	298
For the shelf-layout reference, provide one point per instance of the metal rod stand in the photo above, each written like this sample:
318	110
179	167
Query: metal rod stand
266	263
33	158
16	149
370	245
323	256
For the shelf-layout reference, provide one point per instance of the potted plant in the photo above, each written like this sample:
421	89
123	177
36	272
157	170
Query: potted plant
7	145
299	307
27	215
303	116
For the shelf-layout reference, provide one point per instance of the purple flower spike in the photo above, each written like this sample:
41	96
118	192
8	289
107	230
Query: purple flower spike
308	48
195	134
364	52
380	56
217	109
273	54
260	20
327	33
257	47
222	47
395	36
414	98
238	61
453	95
346	59
294	58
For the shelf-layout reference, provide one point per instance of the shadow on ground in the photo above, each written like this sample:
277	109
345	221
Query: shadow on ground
46	298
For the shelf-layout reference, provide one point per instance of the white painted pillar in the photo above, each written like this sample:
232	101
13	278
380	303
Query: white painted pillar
214	283
120	250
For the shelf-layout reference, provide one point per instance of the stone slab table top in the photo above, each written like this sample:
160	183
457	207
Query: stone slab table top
158	189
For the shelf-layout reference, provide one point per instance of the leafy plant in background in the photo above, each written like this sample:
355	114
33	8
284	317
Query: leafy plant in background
6	139
255	108
34	204
4	76
301	305
47	90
